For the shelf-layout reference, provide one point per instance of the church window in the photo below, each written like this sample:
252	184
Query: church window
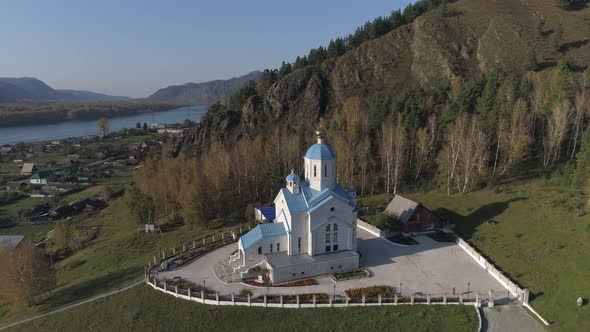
299	244
271	247
328	234
332	209
335	247
335	234
325	170
315	171
278	247
328	248
259	250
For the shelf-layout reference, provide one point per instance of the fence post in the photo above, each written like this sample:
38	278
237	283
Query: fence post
163	254
189	294
395	299
281	301
155	261
477	304
233	299
155	282
331	301
445	299
203	296
412	299
298	305
203	241
194	244
173	251
379	298
176	290
249	301
222	235
165	287
347	301
363	300
183	247
213	238
525	296
217	297
461	298
491	301
427	298
265	304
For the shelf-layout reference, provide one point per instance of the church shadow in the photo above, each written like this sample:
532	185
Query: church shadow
465	226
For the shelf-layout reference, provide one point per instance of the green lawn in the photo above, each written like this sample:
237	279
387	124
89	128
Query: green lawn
537	241
144	309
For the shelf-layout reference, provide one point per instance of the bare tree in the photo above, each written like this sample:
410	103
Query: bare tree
472	155
450	153
557	125
103	126
581	100
24	274
387	139
399	151
425	144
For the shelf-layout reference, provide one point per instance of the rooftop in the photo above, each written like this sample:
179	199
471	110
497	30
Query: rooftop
402	208
11	240
281	259
320	151
263	231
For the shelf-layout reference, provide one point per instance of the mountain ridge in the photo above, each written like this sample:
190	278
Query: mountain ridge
31	89
205	92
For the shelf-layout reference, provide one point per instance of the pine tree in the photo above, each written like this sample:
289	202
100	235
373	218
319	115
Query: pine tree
138	125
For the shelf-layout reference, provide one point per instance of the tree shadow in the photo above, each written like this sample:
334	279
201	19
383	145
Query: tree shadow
466	225
547	64
576	44
89	288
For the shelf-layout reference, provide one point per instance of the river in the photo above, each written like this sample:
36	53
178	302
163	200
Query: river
44	132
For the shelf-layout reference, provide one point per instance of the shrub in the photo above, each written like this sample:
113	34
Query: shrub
371	292
245	292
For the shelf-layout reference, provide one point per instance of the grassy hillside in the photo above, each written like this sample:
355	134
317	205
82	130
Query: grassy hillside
537	241
143	309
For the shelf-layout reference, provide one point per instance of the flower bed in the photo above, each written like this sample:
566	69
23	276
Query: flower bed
400	239
349	275
442	237
370	292
298	283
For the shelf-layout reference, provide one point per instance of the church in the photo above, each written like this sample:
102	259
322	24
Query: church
314	231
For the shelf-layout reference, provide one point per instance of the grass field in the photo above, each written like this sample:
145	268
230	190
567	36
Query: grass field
144	309
115	258
537	241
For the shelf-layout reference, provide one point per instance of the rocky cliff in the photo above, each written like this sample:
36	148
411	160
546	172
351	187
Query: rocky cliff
474	36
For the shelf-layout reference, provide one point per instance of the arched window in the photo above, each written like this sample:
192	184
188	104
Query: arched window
325	170
335	234
315	171
328	233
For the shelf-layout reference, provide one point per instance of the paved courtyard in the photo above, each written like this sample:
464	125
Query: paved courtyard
430	268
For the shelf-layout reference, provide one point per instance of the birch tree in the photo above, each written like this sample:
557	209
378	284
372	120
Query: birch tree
557	125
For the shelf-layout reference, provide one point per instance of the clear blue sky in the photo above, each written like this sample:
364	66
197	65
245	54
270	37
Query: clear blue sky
133	47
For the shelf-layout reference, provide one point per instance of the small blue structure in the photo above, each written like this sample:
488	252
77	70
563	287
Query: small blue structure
264	213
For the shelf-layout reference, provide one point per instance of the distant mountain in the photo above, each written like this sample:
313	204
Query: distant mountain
203	93
30	89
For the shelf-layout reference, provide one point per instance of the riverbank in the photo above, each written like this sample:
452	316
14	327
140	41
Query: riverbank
12	115
80	128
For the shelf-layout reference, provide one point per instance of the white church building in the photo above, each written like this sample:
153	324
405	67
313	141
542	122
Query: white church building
314	232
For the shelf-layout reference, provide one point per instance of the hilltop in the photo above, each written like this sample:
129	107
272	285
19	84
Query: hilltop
204	93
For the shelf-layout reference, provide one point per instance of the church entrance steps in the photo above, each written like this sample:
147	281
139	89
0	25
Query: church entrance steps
225	272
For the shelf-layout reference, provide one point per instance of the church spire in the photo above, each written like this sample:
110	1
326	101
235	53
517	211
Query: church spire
320	133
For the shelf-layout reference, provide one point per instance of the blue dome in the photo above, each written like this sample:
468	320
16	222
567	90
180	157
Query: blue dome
320	152
293	177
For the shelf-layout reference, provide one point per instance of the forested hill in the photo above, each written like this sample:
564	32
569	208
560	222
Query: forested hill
203	93
431	48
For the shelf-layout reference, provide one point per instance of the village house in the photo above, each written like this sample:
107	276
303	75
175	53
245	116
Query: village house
5	150
41	178
28	169
413	216
12	241
314	232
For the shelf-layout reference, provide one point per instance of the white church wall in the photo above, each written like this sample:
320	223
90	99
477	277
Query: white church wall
318	179
253	257
299	229
315	269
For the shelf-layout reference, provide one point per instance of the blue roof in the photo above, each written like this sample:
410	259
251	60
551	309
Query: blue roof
267	211
320	151
293	177
263	231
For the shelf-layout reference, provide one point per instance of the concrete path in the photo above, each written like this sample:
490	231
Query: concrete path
70	306
430	268
509	318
